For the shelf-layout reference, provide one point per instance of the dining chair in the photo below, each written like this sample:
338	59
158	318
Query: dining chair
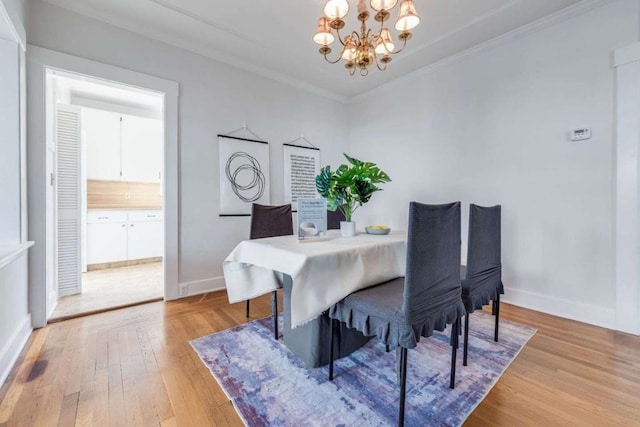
481	278
333	219
401	311
270	221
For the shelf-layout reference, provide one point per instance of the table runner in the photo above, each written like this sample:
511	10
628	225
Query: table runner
323	271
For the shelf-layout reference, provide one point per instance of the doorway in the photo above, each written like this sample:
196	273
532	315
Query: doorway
105	207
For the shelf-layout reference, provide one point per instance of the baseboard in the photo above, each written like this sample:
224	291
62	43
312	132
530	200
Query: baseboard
569	309
118	264
11	350
198	287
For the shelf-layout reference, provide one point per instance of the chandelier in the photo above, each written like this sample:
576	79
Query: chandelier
361	50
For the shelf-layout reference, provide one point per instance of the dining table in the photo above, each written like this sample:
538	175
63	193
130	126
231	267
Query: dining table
314	274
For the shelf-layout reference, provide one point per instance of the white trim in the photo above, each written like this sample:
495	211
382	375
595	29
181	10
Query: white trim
11	350
626	55
15	26
24	225
198	287
40	59
14	254
570	309
98	70
97	104
565	14
52	303
627	225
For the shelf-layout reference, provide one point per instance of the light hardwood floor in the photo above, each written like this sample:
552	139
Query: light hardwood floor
135	367
113	287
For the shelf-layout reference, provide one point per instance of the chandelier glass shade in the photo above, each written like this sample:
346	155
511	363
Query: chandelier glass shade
360	50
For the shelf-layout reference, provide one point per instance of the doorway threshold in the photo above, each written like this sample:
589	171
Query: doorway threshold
113	288
102	310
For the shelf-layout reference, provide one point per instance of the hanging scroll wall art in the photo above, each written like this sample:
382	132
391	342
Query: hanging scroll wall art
301	165
244	174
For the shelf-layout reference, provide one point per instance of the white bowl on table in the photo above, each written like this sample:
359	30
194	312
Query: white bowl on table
379	230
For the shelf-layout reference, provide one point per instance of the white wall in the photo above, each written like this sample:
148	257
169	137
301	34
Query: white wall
15	322
491	128
10	147
214	98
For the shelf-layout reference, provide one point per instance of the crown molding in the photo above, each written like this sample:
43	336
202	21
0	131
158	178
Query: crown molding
477	20
565	14
280	77
15	26
187	13
209	53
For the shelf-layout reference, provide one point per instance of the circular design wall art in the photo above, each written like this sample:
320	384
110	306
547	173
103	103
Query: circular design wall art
244	174
246	177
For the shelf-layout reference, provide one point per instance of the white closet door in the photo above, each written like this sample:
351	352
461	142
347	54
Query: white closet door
67	131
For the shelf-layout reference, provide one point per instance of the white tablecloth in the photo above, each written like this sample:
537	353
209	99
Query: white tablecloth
323	272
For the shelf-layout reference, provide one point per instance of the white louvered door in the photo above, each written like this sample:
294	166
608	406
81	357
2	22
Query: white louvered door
67	131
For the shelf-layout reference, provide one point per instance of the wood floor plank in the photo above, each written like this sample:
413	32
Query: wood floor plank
69	410
136	367
17	381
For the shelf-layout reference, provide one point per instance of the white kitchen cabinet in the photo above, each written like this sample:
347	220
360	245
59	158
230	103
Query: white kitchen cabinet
145	234
114	236
142	149
101	129
122	147
106	237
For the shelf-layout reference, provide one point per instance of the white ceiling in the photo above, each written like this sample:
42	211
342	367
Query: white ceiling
274	38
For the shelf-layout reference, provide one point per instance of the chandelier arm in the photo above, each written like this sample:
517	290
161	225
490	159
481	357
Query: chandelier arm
393	52
356	38
339	37
326	58
375	56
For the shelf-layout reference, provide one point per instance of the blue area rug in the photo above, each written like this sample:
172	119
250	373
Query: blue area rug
269	386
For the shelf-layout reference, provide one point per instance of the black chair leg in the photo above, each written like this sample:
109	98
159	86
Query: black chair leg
454	351
403	385
493	307
331	333
496	304
274	306
247	311
466	340
386	348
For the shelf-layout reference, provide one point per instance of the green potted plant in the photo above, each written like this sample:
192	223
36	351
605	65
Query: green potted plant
349	187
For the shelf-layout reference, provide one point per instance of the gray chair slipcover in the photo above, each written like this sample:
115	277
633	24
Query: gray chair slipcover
481	278
333	219
270	221
401	311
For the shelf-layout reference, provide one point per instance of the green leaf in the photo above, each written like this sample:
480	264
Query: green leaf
350	186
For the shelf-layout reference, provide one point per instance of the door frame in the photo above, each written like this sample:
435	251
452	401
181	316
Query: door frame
39	59
626	62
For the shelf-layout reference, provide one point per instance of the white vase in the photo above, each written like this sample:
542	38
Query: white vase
347	228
